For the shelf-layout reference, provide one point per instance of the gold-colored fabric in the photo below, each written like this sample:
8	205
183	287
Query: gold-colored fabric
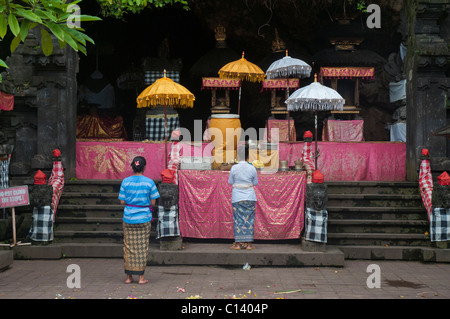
243	70
270	158
95	126
225	134
165	91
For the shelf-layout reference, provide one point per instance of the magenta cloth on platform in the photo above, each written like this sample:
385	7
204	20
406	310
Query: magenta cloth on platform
354	161
368	161
343	131
205	209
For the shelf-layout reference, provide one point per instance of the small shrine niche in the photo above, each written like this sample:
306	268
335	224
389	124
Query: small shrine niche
220	93
346	79
279	94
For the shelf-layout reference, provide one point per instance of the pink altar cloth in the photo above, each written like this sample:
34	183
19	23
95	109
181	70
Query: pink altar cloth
343	131
369	161
283	130
205	209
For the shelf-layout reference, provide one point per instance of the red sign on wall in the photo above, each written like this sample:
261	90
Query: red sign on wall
14	196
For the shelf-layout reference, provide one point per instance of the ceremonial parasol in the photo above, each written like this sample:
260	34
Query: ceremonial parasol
242	70
315	97
165	92
286	67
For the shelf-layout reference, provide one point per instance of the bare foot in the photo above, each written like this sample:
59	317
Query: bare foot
129	279
142	281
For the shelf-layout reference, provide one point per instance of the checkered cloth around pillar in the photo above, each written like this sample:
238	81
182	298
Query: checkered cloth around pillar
316	225
308	160
152	76
167	222
174	160
42	225
440	224
154	127
4	173
426	185
57	181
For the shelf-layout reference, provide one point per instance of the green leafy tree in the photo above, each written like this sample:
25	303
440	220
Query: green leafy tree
53	17
118	8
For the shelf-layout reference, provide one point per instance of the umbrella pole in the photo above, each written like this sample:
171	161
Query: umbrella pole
316	152
165	134
239	101
288	115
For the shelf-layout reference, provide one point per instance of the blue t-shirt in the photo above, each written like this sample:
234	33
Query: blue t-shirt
139	191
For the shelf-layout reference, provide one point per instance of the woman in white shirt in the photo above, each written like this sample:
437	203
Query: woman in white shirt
243	178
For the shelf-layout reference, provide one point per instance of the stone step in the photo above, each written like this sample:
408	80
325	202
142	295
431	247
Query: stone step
80	236
93	185
378	226
374	200
88	223
378	239
387	213
109	210
405	188
89	198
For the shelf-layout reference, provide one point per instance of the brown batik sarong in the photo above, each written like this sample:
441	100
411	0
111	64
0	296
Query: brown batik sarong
136	239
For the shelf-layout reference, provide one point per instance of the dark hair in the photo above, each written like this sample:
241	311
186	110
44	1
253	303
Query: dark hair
138	164
243	152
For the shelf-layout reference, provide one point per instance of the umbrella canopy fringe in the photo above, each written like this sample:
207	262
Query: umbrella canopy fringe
337	105
169	101
242	76
299	71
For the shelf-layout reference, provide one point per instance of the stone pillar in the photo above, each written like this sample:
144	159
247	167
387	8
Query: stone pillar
48	85
427	84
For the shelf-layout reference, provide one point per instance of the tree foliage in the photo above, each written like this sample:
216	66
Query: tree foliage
118	8
54	17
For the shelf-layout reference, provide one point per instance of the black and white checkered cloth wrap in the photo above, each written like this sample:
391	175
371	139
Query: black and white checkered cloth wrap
440	224
154	127
316	225
152	76
4	173
167	222
42	225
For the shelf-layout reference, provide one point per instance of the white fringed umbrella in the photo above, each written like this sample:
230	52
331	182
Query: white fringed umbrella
288	66
315	97
285	68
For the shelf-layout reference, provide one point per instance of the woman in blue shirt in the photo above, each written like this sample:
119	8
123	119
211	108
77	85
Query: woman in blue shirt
138	193
243	177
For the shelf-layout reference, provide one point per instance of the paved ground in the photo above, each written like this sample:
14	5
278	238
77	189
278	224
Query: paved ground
103	279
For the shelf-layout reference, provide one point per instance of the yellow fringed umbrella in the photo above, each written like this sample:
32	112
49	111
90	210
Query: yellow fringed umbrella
243	70
165	92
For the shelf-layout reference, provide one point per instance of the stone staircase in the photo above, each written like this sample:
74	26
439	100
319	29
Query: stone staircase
366	220
89	212
376	214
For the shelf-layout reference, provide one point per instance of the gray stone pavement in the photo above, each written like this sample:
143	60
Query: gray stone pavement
103	279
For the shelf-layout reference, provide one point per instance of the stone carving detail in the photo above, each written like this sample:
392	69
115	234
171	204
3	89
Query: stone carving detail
169	195
316	196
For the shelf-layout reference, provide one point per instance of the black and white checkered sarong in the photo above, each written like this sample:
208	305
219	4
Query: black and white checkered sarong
42	225
316	225
4	173
152	76
154	127
440	224
167	222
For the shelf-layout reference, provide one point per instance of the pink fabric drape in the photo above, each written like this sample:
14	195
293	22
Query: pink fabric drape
369	161
343	131
206	212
